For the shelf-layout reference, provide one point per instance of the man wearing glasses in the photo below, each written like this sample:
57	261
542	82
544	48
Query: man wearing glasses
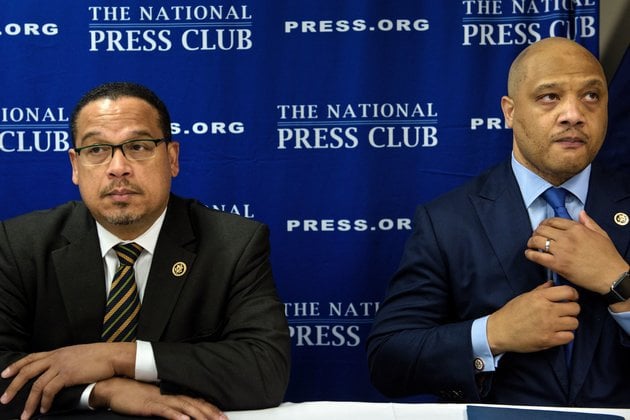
135	300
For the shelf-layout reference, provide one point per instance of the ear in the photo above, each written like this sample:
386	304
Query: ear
507	105
75	166
173	157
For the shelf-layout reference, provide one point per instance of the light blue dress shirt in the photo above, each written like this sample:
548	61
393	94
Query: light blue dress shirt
532	186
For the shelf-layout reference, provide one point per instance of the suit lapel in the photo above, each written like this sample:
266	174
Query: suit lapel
80	276
170	267
505	220
499	206
605	199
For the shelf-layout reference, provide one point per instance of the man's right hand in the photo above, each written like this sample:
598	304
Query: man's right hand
64	367
130	397
537	320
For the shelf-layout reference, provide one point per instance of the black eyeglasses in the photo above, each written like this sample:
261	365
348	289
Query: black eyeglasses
134	150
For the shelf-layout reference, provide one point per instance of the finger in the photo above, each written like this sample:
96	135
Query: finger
212	411
558	223
13	388
26	373
545	285
542	243
545	231
561	293
203	409
17	366
164	410
563	337
571	309
537	256
568	323
542	234
49	392
37	391
189	408
534	241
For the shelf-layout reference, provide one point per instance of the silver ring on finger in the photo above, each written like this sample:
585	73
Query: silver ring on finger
547	245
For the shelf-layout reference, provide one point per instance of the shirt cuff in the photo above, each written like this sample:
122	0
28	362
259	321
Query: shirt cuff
484	361
84	402
622	318
146	369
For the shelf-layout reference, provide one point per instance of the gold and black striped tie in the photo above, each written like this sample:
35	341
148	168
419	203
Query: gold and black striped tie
123	302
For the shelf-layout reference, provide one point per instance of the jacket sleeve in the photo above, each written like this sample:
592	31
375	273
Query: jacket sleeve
16	331
417	343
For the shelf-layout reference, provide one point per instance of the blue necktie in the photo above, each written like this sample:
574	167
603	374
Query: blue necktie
556	199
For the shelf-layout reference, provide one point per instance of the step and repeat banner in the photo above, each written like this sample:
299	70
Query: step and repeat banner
329	120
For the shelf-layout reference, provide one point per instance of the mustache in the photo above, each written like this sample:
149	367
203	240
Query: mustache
571	132
120	186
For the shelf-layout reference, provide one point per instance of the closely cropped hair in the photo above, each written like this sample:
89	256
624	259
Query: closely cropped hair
116	90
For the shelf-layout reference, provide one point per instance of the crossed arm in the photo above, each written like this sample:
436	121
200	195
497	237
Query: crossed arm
111	367
242	365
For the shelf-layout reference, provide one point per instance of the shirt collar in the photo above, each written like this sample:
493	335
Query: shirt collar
532	185
147	240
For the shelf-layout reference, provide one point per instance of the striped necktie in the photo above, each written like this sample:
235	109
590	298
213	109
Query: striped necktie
123	302
556	197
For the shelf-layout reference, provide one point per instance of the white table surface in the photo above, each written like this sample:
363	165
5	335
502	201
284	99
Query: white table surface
338	410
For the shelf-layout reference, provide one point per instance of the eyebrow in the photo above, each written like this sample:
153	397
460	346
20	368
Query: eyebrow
589	84
134	133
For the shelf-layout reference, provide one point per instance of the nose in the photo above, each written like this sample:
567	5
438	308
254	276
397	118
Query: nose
571	113
119	165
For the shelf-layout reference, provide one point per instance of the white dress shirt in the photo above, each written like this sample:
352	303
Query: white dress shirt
146	369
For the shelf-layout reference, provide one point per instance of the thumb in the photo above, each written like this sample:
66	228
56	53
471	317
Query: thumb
587	221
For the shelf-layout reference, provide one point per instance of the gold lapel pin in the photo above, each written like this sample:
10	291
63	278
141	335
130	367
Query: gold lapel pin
621	219
179	269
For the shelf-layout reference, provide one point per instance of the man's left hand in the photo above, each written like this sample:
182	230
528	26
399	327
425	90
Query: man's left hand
581	252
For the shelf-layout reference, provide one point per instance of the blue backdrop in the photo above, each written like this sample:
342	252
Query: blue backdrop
328	120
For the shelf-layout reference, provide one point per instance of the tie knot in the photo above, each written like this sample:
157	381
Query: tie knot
555	196
556	199
128	253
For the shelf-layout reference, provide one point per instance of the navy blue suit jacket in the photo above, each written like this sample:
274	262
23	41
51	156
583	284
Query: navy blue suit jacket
464	260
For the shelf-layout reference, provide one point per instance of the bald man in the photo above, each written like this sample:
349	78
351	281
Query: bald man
506	293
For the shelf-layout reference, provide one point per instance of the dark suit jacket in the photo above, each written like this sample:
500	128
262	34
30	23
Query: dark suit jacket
218	331
464	260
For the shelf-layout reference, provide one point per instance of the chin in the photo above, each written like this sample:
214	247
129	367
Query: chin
573	162
122	219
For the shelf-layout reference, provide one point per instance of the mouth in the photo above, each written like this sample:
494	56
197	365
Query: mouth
120	194
570	142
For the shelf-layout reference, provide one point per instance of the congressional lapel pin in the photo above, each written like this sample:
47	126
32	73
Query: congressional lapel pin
179	269
621	219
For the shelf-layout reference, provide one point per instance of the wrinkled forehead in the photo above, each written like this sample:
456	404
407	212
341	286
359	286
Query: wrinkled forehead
555	65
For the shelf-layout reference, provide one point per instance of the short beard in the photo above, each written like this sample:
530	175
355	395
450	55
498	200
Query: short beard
123	218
